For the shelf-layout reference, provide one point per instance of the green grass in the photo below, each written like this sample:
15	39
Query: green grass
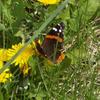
77	77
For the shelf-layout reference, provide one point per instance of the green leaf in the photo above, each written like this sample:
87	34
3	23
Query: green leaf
1	96
2	27
40	95
66	62
32	63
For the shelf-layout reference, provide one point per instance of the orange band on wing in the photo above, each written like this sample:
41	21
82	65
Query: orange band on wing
60	58
54	37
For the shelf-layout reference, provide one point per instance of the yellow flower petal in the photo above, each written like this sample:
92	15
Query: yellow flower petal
24	69
6	75
3	55
46	2
22	59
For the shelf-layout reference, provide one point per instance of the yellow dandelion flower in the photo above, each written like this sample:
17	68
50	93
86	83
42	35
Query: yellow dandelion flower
3	55
46	2
22	59
6	75
24	69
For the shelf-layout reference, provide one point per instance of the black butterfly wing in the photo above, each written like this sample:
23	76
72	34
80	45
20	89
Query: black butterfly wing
39	48
51	46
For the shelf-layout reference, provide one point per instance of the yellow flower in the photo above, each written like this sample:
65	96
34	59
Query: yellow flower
24	69
6	75
3	55
46	2
22	59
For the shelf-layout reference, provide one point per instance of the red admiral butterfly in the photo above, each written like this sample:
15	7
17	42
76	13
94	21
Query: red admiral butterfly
52	46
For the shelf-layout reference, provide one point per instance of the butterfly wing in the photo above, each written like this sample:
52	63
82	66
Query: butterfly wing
39	48
53	43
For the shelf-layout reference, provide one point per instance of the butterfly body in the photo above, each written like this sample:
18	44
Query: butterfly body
52	45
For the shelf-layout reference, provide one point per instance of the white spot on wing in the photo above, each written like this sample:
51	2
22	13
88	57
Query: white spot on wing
59	25
55	29
60	31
